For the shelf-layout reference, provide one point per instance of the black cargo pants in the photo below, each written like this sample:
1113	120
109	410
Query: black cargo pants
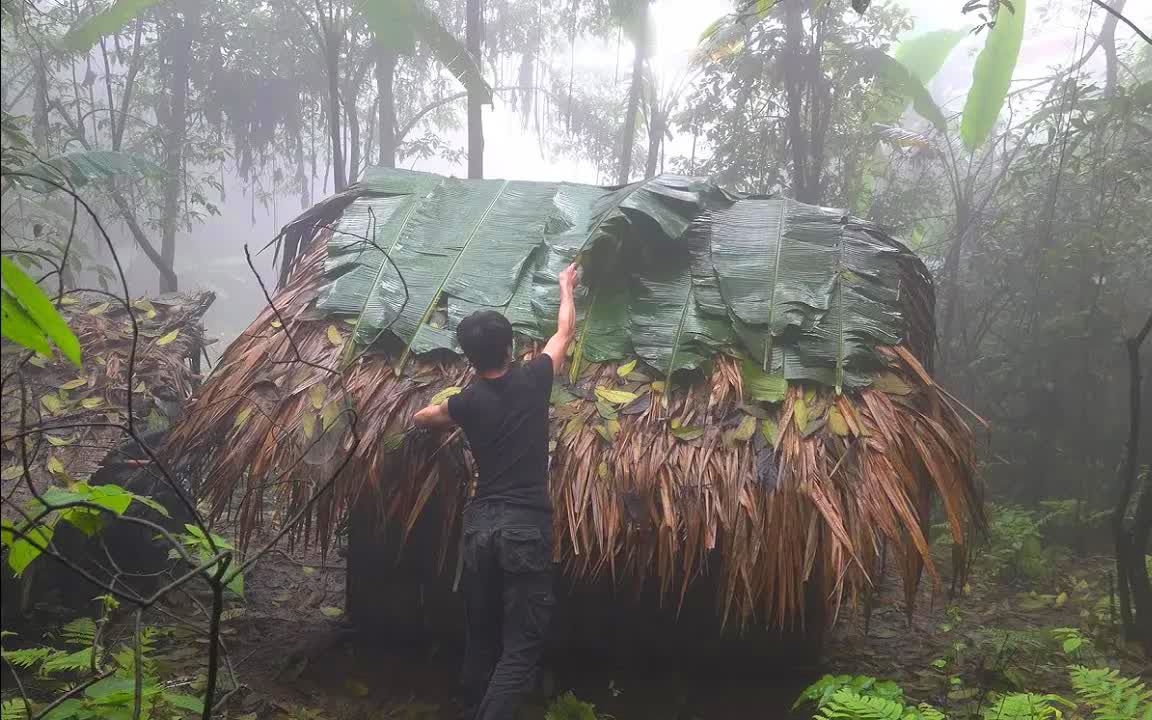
507	587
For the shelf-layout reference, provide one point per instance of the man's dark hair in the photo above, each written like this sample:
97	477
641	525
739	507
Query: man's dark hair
486	338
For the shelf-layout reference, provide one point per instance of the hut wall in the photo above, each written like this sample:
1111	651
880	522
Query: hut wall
408	596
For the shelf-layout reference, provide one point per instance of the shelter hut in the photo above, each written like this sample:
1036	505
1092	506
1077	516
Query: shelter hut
158	368
747	427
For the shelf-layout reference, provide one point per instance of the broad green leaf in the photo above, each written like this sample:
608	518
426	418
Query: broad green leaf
110	20
615	397
21	552
626	368
169	337
677	318
39	309
992	75
635	221
79	168
444	394
760	386
899	80
924	54
812	292
17	326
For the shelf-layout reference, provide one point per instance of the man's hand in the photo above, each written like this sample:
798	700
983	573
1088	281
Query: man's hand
433	417
557	346
569	279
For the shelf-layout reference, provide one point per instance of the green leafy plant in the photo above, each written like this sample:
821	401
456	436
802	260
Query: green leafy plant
112	696
569	707
1027	706
862	697
26	541
30	319
199	546
1109	695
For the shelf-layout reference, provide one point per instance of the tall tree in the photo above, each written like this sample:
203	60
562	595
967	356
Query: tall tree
473	34
184	31
634	19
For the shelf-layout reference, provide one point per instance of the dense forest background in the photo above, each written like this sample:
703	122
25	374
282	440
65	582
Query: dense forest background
1022	177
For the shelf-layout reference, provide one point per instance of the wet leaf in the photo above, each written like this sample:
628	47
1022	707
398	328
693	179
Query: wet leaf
241	418
169	337
602	471
331	612
308	423
55	466
605	410
625	369
800	413
91	403
637	406
99	309
742	433
560	396
316	395
334	336
760	386
51	403
444	394
59	441
615	397
837	423
890	383
658	386
12	472
73	384
277	324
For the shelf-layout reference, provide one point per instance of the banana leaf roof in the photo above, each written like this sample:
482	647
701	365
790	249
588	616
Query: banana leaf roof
675	269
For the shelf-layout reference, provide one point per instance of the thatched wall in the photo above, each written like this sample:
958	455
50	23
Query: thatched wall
758	486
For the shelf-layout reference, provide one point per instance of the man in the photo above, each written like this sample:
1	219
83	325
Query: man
507	575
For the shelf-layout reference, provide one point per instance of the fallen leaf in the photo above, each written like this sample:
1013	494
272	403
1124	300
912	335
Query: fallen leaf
73	384
616	397
316	395
91	403
169	337
331	612
55	466
626	368
444	394
334	336
99	309
241	418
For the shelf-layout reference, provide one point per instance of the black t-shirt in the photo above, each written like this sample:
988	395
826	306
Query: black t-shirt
506	422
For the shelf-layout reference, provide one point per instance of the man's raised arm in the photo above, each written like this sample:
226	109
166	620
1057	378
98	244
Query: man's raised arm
557	346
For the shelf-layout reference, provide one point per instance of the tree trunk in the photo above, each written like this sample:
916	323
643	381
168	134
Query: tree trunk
353	137
1108	40
794	90
175	138
1131	544
332	42
628	136
655	140
40	104
386	106
473	32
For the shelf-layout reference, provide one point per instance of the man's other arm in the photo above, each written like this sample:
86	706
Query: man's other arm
434	417
557	346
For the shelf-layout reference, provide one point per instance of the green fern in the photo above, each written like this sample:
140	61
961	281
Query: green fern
81	631
1027	706
1110	695
821	691
28	657
13	709
61	661
847	704
569	707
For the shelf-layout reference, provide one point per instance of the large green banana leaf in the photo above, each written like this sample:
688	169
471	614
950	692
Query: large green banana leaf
674	271
811	291
992	74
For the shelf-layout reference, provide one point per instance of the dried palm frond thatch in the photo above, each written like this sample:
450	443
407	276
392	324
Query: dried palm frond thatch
748	397
171	338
